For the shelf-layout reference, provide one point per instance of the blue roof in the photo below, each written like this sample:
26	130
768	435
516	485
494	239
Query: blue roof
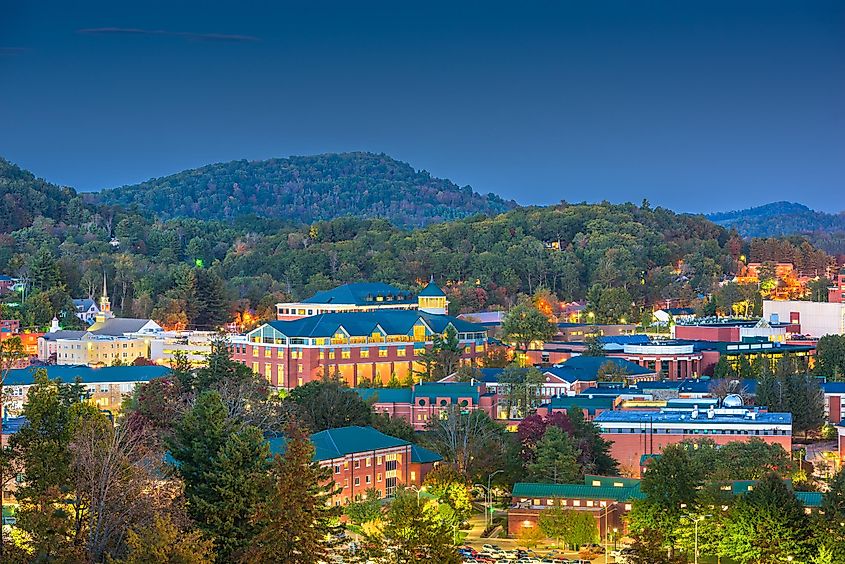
659	385
591	404
89	375
490	375
422	455
833	387
657	417
362	293
337	443
625	339
612	392
701	386
12	425
386	395
430	391
364	323
585	368
432	290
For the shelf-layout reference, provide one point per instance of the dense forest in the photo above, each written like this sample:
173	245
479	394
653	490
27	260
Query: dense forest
24	197
825	230
307	189
621	258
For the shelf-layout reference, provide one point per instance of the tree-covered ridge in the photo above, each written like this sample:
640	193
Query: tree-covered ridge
777	219
308	189
23	197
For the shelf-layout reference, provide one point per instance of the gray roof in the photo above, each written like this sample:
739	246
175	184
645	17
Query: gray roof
83	304
63	334
118	326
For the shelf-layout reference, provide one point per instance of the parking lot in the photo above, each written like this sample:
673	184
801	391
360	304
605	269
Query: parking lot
497	554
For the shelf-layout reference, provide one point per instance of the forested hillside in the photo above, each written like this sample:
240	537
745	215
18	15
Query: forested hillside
190	272
308	189
777	219
23	197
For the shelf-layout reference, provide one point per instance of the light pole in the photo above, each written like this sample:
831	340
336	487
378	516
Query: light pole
490	495
606	514
483	487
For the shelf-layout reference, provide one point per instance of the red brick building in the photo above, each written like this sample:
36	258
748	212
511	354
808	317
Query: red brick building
836	293
358	346
361	458
423	402
636	435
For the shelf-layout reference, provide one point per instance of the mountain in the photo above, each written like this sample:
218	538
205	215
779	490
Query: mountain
308	189
23	197
779	218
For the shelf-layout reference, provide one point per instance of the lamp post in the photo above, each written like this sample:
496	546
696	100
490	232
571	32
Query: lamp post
606	514
483	487
490	495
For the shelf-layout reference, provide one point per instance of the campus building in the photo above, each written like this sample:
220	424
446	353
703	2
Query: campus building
365	296
362	458
424	402
195	345
106	341
814	319
106	387
836	293
636	434
357	346
609	499
669	360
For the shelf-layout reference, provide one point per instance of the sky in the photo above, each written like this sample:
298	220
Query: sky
695	105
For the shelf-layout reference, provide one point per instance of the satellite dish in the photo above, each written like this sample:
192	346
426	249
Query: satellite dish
732	400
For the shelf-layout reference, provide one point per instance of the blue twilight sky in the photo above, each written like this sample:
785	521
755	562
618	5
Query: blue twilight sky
696	105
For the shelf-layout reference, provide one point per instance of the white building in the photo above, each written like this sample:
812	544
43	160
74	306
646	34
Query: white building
196	345
123	339
814	318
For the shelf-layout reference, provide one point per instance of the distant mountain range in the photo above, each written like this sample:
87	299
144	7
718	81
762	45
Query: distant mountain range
826	230
307	189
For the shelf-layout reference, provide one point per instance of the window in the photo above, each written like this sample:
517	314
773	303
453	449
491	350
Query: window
378	460
401	351
368	479
357	481
369	462
413	476
346	483
365	353
345	353
382	352
337	468
378	477
357	464
255	352
268	352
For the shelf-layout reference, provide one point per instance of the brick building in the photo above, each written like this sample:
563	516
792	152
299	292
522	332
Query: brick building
636	434
669	360
423	402
358	346
836	293
362	458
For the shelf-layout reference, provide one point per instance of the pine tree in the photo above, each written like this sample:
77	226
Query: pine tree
296	518
211	303
44	272
556	458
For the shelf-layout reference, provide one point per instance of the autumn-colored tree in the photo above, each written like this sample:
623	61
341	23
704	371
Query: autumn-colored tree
163	542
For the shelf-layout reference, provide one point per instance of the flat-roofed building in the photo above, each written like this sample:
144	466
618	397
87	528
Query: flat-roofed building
358	296
635	434
815	319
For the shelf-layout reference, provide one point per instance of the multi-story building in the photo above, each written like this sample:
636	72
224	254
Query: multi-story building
423	402
362	458
106	341
106	387
670	360
836	293
195	345
364	296
815	319
357	346
733	330
636	435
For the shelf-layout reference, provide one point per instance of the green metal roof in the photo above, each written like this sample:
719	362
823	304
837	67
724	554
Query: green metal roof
337	443
422	455
575	491
809	499
386	395
432	290
88	375
362	293
364	323
591	404
611	481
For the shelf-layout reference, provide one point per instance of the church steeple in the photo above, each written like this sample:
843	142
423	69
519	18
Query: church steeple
105	304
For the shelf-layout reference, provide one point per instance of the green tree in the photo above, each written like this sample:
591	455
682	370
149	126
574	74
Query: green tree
594	346
525	324
556	459
369	509
830	357
210	301
328	404
293	523
416	533
162	541
50	512
767	524
554	522
451	487
223	469
44	272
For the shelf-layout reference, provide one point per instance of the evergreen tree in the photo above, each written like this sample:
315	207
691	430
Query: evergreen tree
50	512
744	370
211	302
767	524
220	367
44	272
293	523
162	541
723	369
556	459
328	404
223	470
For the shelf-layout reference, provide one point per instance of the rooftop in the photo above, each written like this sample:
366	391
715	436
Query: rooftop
337	443
88	375
432	290
364	323
722	416
362	293
586	368
591	404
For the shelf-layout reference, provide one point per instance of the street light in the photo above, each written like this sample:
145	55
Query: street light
490	495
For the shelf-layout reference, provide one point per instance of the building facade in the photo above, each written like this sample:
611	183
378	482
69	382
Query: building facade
638	434
815	319
672	361
362	458
357	346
